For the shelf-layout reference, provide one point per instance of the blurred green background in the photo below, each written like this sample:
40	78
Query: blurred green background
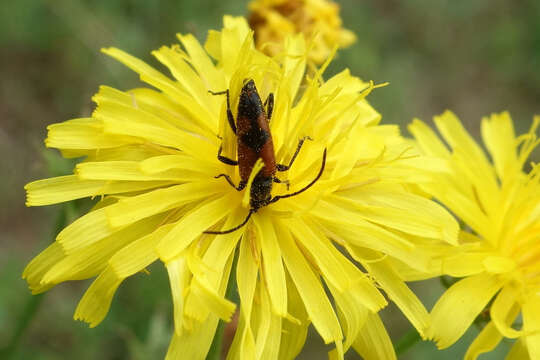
474	57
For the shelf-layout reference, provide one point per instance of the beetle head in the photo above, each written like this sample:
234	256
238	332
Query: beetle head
249	84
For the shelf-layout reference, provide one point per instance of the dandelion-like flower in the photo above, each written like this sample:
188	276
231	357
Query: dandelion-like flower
499	252
150	157
318	20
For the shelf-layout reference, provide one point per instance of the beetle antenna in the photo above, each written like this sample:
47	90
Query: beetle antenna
276	198
234	228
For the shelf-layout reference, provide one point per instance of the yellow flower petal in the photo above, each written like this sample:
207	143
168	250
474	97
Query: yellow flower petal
363	292
465	208
531	323
212	44
138	254
233	37
129	170
268	332
205	296
209	298
294	64
518	351
243	346
486	341
211	76
463	145
400	294
178	279
147	73
329	262
295	328
70	187
406	212
464	264
34	271
176	113
455	134
121	119
84	231
373	236
354	303
352	315
499	137
416	170
181	113
127	152
309	287
457	308
91	258
409	274
192	225
345	164
373	342
427	140
187	78
273	272
261	320
96	301
130	209
86	133
499	264
490	336
504	310
219	250
209	271
195	343
202	292
159	164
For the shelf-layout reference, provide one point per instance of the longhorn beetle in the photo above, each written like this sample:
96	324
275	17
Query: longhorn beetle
255	141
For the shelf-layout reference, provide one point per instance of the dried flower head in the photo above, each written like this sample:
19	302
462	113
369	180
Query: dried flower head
318	20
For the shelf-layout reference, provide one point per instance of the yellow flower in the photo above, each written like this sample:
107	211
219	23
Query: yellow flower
499	252
150	156
318	20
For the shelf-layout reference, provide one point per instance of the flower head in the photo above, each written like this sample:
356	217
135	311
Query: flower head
499	251
151	157
318	20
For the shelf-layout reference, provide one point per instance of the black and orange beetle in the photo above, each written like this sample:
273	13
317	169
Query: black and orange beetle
254	141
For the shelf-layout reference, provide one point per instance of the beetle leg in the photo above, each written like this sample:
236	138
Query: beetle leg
225	159
251	211
281	167
278	181
240	186
270	108
230	116
277	197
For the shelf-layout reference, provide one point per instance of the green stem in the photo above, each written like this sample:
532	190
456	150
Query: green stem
217	343
32	305
410	338
30	309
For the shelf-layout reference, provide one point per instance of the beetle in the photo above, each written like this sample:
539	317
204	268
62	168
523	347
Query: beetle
254	141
